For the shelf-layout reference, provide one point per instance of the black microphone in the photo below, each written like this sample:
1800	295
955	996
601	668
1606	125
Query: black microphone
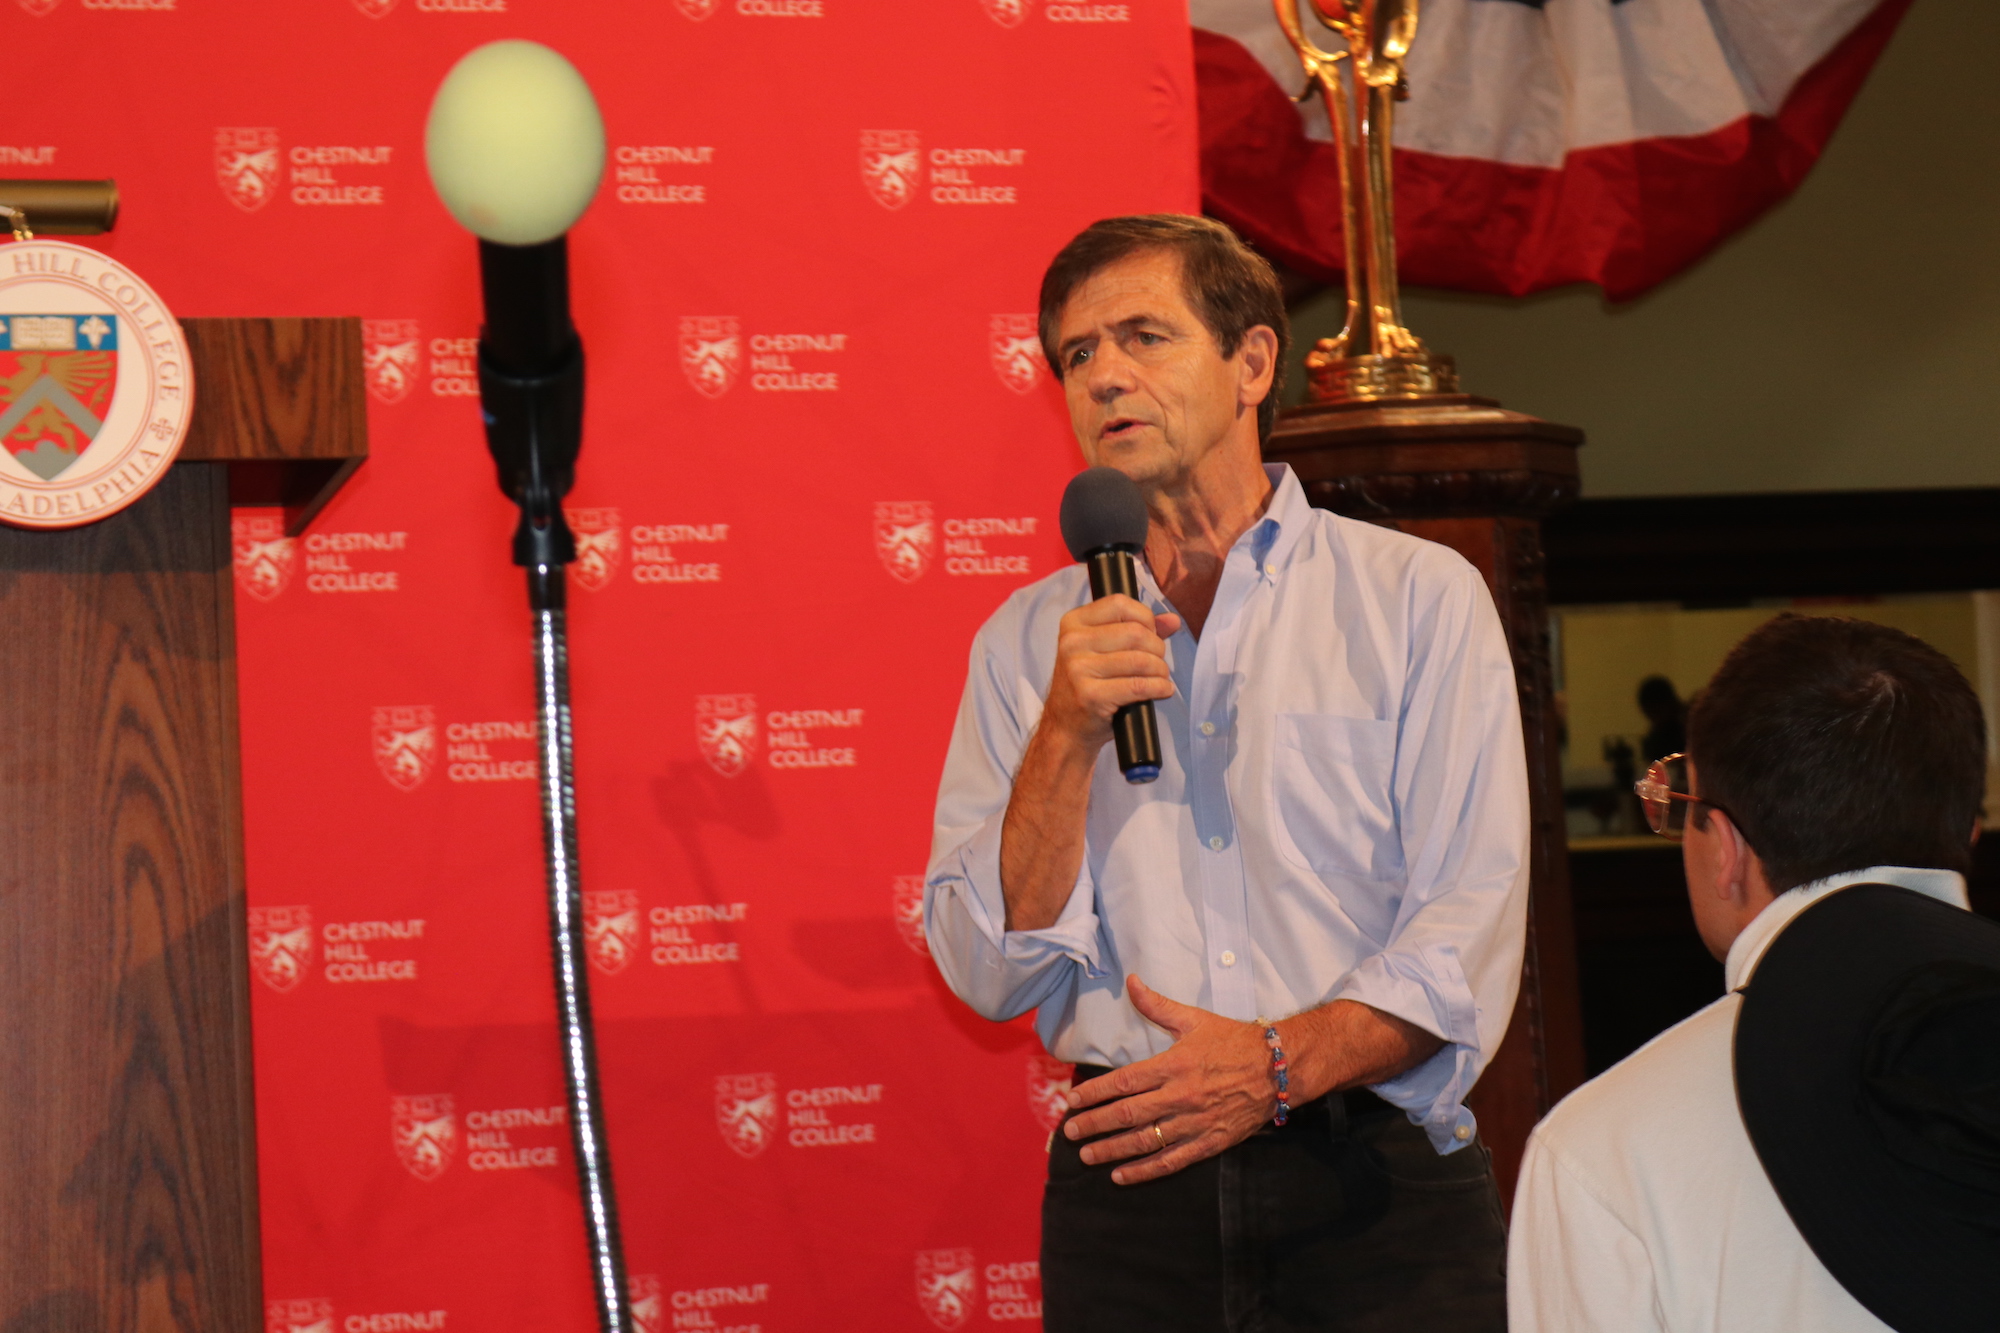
531	393
1104	525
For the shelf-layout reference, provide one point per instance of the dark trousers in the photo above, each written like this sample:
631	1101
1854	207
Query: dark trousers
1345	1220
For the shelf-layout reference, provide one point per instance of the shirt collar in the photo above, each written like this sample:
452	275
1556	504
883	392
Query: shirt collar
1947	886
1272	538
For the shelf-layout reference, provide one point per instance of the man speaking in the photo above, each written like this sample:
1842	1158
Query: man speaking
1280	967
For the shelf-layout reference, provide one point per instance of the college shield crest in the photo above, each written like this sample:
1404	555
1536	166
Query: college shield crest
947	1285
600	547
375	9
891	161
1015	347
405	742
725	726
649	1311
697	9
246	166
95	387
39	8
907	901
57	374
611	929
905	537
306	1316
711	352
425	1130
746	1111
263	555
281	946
1006	13
1048	1079
389	354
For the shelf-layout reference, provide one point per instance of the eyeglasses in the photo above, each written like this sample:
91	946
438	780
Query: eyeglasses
1663	794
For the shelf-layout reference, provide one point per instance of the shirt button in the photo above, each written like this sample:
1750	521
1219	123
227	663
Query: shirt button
1215	843
1462	1133
1208	728
1228	958
1272	570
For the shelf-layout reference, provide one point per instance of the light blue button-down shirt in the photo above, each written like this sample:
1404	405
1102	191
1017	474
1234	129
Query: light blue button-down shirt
1342	812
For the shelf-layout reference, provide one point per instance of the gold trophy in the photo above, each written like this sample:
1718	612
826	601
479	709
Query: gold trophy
1375	356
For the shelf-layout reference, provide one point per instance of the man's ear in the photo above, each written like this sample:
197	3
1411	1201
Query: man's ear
1732	857
1258	355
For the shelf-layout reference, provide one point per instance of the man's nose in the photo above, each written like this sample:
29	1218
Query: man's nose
1108	373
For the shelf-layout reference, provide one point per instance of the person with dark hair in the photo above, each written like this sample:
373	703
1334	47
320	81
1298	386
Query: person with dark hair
1280	966
1818	1150
1666	717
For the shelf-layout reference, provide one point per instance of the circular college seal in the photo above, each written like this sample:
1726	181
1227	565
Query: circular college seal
95	388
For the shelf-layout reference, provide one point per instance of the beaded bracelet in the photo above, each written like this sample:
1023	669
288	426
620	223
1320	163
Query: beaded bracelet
1279	1068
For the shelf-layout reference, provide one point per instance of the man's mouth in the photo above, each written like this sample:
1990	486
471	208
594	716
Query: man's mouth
1120	426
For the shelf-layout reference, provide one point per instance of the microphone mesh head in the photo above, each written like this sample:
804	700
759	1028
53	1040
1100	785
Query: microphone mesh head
1102	507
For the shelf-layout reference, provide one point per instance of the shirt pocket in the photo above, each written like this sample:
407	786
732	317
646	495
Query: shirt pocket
1331	780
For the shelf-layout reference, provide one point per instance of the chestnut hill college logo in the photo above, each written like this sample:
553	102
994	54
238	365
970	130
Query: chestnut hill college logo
263	555
281	946
905	537
246	166
746	1111
405	741
1006	13
304	1316
425	1132
906	897
600	547
711	352
947	1283
725	727
611	929
94	386
390	351
891	161
1015	345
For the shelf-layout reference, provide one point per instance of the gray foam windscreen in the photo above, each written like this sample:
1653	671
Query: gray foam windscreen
1102	507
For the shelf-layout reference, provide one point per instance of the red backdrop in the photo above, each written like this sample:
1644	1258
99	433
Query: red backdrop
819	450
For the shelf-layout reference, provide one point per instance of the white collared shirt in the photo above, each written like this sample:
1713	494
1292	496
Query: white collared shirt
1342	811
1642	1207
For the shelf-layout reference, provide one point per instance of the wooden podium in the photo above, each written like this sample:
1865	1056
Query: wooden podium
128	1167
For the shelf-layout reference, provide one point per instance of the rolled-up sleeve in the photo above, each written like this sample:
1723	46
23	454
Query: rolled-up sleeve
1452	963
1000	973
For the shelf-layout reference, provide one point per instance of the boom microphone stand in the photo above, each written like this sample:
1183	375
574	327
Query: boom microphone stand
531	393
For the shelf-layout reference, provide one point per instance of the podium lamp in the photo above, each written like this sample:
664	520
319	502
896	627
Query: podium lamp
515	146
128	1181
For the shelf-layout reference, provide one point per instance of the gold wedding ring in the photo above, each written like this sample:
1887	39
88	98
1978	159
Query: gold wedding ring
1158	1135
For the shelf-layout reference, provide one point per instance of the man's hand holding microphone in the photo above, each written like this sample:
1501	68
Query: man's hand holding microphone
1111	664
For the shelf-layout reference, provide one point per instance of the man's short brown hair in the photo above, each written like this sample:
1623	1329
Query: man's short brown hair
1230	286
1839	744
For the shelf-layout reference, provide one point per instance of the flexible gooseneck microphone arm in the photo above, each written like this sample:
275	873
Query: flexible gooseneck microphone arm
531	393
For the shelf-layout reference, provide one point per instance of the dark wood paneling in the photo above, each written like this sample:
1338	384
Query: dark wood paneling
127	1145
281	400
1709	549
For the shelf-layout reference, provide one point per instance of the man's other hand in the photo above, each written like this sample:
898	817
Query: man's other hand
1212	1090
1109	653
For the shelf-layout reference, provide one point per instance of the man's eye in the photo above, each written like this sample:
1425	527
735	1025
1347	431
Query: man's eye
1078	357
1147	339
